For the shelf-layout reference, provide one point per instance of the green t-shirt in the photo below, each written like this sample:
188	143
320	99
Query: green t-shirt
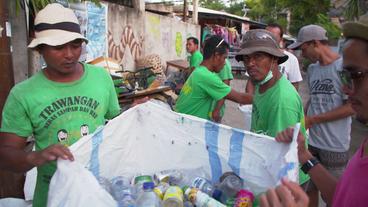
277	109
56	112
225	74
199	91
195	59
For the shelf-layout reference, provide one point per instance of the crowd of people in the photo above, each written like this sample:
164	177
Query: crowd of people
338	88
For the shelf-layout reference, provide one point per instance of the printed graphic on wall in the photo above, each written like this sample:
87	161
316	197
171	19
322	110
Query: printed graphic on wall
128	42
80	11
178	44
96	33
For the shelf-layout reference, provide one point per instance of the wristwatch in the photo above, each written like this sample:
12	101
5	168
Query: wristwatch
309	165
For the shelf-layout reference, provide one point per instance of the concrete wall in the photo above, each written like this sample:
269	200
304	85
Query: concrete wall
125	34
132	35
167	36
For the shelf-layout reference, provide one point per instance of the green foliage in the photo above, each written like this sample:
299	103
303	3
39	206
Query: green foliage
303	12
217	5
333	31
353	10
235	8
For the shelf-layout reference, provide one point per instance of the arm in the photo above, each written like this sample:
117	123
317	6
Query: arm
216	116
325	182
14	158
338	113
296	85
242	98
249	88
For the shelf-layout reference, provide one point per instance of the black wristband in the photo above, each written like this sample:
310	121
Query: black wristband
309	165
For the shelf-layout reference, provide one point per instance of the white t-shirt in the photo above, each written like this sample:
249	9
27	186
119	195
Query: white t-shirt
290	68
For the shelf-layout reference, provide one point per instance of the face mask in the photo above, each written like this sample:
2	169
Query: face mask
266	79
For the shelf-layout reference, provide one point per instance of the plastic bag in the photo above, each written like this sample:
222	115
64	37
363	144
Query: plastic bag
73	185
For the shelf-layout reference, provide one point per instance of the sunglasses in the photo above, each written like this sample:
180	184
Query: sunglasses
348	76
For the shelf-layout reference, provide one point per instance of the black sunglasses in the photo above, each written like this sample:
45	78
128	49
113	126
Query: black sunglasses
348	76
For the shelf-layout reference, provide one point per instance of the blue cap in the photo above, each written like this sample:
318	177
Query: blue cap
148	185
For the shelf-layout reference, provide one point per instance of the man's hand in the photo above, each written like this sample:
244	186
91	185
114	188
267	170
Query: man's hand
309	121
289	194
286	136
216	117
50	153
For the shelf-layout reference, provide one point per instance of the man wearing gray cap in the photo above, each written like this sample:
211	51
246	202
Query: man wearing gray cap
276	103
351	189
54	104
328	113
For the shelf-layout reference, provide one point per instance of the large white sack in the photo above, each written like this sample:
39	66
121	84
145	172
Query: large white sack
73	185
149	138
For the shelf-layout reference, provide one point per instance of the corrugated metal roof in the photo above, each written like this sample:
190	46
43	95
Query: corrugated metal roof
221	13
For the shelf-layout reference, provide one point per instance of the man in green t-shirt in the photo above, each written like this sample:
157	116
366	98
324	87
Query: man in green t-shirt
276	103
226	76
195	58
57	105
204	86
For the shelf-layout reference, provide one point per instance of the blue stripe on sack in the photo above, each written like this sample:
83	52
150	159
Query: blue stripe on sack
236	150
211	135
283	172
94	161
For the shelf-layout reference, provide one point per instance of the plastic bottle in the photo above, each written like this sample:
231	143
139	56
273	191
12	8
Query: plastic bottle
160	189
206	186
122	192
148	198
244	198
173	197
200	199
138	182
230	185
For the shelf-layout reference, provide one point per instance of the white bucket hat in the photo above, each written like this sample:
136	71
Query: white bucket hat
56	25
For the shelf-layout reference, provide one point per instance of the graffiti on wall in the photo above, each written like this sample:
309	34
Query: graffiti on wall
96	33
129	43
154	26
166	40
178	44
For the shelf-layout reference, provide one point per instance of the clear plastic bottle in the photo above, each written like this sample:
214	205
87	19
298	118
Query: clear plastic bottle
206	186
122	192
148	198
200	199
173	197
230	185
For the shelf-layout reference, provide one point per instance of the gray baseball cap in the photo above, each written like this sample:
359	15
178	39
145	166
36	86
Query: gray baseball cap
260	40
309	33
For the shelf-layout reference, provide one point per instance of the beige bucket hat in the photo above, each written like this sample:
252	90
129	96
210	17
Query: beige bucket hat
357	29
260	40
56	25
